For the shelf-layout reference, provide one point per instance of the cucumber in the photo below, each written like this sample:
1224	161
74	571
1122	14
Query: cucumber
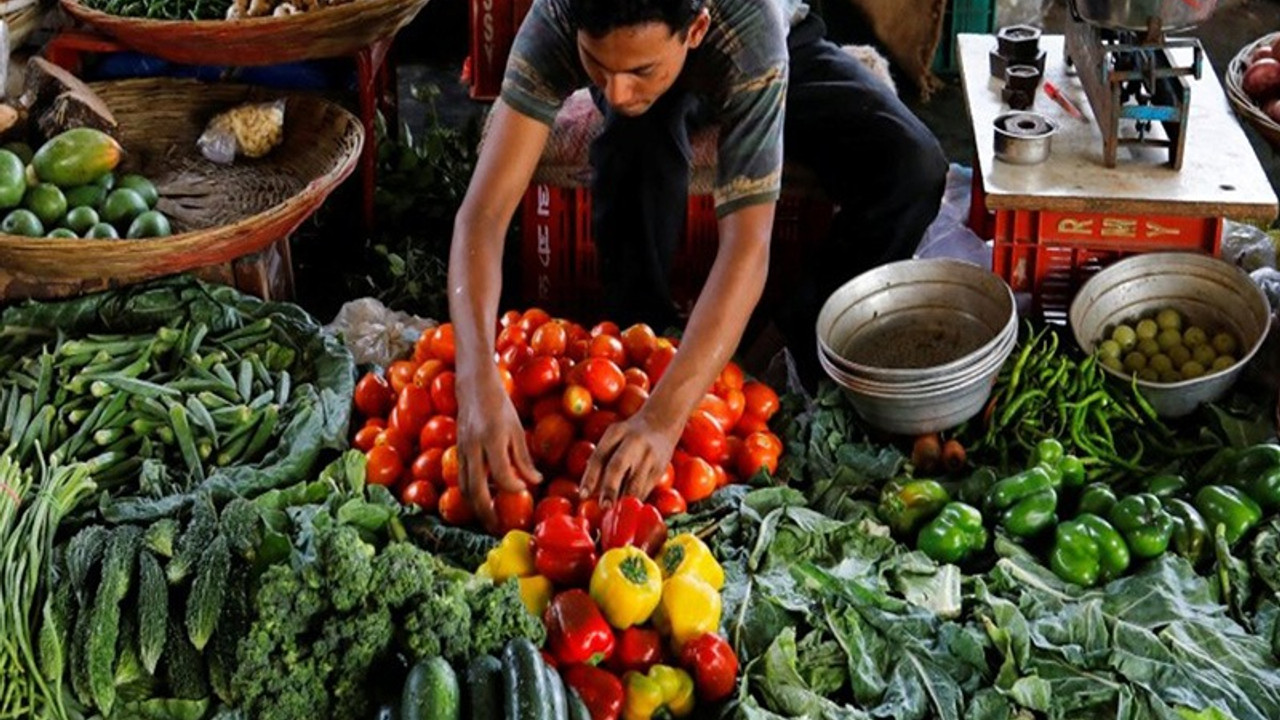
556	697
577	708
431	692
484	687
524	682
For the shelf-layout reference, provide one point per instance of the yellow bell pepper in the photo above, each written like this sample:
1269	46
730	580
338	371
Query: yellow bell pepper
535	593
689	608
627	585
663	688
484	571
686	554
513	557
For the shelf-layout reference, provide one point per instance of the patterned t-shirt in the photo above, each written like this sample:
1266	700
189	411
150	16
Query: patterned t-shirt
740	69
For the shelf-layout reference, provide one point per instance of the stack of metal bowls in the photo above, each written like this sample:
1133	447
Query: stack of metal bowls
1210	293
916	345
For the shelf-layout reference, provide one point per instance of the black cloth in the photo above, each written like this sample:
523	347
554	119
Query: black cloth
875	160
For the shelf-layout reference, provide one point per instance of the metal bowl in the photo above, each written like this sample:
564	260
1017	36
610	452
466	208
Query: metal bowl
932	385
916	320
1023	138
1133	14
1210	293
916	413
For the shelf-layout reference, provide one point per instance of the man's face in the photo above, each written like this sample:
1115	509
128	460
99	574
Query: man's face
634	65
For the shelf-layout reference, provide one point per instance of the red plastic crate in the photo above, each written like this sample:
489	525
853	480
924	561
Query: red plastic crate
493	27
1051	254
559	269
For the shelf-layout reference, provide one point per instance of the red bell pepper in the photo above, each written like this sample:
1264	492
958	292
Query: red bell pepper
600	690
713	664
632	522
563	550
638	649
576	630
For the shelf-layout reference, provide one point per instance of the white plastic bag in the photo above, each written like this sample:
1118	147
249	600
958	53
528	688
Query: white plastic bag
251	130
949	234
376	334
1247	247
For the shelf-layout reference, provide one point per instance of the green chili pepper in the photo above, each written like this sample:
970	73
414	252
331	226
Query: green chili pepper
1097	499
1190	532
954	535
1229	507
1144	523
904	507
1166	486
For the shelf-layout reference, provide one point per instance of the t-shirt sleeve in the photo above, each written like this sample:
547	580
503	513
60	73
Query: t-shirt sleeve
543	67
749	160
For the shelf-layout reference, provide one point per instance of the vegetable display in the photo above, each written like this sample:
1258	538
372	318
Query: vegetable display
569	384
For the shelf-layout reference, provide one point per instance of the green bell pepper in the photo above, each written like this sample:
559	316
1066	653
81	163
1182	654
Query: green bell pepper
1265	488
1146	527
1252	461
1072	469
1047	452
1190	532
954	535
1087	550
1025	503
974	488
1228	506
1098	499
1165	486
904	507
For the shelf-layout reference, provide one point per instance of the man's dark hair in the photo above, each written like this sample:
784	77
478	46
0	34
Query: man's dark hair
598	17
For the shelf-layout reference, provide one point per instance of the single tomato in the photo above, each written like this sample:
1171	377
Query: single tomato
718	409
420	493
608	347
703	438
394	438
427	372
575	461
413	408
454	509
514	510
399	374
603	378
761	400
383	465
537	377
373	396
551	339
576	401
590	511
552	436
667	480
429	466
695	479
534	318
608	327
442	346
365	437
596	423
639	340
443	397
563	487
658	361
439	431
668	501
631	400
636	376
511	336
449	469
730	378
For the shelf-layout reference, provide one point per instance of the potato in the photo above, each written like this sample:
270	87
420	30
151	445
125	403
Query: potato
1262	80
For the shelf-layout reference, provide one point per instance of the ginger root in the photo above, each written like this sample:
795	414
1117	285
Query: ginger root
257	127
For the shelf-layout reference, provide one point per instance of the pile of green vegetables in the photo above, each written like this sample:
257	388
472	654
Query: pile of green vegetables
163	9
170	388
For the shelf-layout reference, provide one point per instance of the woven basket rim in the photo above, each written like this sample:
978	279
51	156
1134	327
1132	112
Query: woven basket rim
1233	78
310	195
266	23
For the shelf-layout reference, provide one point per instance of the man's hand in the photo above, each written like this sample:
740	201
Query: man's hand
630	458
491	444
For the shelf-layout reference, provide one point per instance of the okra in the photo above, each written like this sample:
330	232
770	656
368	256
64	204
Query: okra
234	445
223	374
22	419
204	448
233	417
45	381
253	329
270	417
122	383
107	436
186	443
245	380
200	415
284	384
195	337
35	429
214	401
263	399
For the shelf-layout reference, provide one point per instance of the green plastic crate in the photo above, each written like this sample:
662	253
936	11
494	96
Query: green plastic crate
961	16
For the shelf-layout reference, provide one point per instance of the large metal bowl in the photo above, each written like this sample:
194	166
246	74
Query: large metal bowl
1210	293
916	413
916	320
931	385
1133	14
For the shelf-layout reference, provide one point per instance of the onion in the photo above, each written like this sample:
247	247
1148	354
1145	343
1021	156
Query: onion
1262	51
1262	80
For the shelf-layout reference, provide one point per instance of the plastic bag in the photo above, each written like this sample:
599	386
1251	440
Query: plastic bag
1265	366
1247	247
375	334
949	234
251	130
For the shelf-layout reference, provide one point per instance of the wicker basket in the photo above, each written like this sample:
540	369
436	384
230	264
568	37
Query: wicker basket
23	19
332	31
218	212
1244	105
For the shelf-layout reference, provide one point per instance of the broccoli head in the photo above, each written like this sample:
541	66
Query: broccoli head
402	572
286	603
499	616
346	561
439	623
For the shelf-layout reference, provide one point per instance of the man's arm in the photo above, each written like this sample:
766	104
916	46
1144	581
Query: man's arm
633	454
491	441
